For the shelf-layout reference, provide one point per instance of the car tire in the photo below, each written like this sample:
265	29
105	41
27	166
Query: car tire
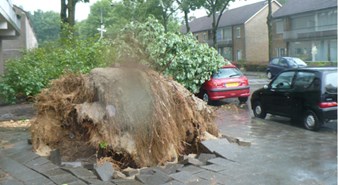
258	110
205	97
242	100
311	121
269	75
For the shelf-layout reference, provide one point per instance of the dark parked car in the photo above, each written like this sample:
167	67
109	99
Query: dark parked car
279	64
306	94
227	82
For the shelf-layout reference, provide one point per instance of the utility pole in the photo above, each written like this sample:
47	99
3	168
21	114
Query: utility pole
101	29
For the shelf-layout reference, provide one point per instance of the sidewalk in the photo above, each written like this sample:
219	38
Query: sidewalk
20	166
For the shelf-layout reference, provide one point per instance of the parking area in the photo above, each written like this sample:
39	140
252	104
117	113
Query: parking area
280	150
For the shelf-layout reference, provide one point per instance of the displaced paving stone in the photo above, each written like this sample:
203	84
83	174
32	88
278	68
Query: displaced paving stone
204	157
172	168
192	161
221	147
222	162
55	157
126	182
88	166
105	171
72	164
130	171
158	177
119	175
81	173
192	169
184	177
214	167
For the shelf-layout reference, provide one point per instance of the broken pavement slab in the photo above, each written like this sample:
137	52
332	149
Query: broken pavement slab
105	171
221	147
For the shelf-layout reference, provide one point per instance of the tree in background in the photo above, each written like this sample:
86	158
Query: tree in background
46	25
269	23
121	13
186	6
216	8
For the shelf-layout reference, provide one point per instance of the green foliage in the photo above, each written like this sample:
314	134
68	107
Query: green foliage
103	144
322	64
46	25
26	76
120	14
180	56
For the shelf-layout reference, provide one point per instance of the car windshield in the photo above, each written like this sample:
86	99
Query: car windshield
331	83
227	72
297	62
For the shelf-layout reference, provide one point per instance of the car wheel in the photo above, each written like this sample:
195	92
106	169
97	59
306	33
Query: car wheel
258	110
311	121
269	75
205	97
242	99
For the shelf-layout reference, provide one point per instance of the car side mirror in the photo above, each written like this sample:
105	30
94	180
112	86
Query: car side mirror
265	86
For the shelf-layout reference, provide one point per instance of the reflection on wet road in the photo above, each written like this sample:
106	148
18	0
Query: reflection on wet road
281	153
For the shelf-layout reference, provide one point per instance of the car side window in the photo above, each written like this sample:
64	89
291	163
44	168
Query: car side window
283	81
304	80
283	62
275	61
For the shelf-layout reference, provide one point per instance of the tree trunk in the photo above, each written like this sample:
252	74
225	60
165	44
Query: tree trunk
63	12
186	19
214	28
269	23
71	12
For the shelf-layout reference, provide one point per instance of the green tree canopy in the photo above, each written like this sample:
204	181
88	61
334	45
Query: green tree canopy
46	25
180	56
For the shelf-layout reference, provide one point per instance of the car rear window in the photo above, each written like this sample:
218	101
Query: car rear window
331	82
227	73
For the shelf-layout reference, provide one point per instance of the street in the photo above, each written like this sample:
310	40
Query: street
280	152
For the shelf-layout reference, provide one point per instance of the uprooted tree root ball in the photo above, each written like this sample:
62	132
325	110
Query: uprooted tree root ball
137	114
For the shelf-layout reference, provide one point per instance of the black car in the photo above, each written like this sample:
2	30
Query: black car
279	64
306	94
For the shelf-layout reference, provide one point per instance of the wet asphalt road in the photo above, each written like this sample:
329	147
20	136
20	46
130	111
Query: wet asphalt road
280	152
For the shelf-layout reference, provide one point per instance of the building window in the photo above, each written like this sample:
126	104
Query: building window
196	35
239	55
205	36
281	52
238	32
279	27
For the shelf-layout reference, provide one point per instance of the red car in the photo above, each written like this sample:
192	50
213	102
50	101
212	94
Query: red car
227	82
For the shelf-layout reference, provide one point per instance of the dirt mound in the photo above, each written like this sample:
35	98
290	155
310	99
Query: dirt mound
137	116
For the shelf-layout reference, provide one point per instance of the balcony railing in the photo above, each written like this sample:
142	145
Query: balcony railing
319	31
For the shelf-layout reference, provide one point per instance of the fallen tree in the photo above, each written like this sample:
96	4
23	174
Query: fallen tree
140	117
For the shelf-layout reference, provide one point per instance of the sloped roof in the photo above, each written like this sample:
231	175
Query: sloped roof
230	17
300	6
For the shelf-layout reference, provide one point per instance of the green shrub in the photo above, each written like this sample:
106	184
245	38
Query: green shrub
26	76
321	64
251	66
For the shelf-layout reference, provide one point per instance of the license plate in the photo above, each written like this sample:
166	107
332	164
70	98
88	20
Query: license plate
232	84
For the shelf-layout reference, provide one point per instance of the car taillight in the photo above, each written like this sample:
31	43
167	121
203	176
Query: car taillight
327	104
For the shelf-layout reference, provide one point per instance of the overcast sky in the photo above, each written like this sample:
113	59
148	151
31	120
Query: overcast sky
82	9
